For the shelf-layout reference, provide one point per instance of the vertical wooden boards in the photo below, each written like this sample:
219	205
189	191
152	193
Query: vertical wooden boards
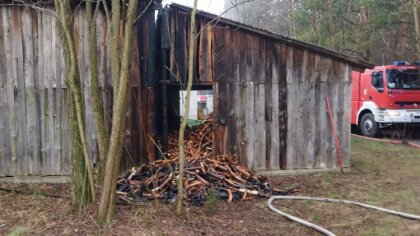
310	80
292	108
33	145
273	127
205	53
148	22
59	104
232	120
54	106
172	60
37	59
3	59
270	54
318	119
260	129
34	100
333	97
11	90
221	105
325	131
180	45
283	106
242	138
3	78
2	130
40	85
301	61
250	129
245	57
272	110
345	137
149	123
337	98
258	61
309	109
146	38
143	71
216	131
47	97
133	127
220	55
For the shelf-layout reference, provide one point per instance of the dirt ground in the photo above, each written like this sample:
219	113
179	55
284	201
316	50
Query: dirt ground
381	174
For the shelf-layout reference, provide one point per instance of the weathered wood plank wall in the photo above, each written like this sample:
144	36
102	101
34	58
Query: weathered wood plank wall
269	96
310	79
34	99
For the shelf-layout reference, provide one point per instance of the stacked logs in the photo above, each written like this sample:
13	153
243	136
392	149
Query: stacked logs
222	175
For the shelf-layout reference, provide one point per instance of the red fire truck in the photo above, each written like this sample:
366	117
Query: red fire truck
386	96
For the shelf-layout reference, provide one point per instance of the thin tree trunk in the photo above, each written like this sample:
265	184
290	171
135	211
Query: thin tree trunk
80	191
94	75
417	25
181	140
115	45
82	171
106	209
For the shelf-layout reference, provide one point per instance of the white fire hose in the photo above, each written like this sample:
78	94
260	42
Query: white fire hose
320	229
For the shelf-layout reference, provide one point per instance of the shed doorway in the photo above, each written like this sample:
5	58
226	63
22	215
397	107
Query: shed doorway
201	104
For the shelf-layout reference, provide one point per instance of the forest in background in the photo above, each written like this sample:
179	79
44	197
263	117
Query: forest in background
380	31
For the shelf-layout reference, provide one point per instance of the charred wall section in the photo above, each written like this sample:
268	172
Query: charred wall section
248	76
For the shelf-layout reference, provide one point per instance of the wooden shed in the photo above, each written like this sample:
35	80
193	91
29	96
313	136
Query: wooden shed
268	91
34	104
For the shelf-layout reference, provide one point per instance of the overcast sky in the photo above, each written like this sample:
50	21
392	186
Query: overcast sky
212	6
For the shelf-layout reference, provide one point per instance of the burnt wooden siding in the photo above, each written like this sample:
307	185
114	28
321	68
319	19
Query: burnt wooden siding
34	102
269	96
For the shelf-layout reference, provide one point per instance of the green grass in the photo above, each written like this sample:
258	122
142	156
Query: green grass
17	231
382	174
383	158
191	122
211	205
391	172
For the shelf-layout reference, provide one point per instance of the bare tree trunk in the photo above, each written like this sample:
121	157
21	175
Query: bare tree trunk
115	44
106	209
94	75
82	171
181	140
416	7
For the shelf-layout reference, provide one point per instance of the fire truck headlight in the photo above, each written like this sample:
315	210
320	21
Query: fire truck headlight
393	113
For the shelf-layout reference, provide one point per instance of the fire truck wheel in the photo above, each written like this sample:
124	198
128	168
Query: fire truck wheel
368	126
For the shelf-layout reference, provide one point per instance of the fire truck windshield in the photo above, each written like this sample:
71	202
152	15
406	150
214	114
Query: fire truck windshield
404	79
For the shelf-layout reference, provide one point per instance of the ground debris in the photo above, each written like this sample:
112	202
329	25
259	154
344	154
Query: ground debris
221	174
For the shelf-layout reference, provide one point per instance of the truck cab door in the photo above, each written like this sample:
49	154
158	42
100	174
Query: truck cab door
375	90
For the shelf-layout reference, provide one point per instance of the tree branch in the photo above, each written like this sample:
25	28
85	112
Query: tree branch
144	11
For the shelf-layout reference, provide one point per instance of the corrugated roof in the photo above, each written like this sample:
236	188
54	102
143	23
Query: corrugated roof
356	63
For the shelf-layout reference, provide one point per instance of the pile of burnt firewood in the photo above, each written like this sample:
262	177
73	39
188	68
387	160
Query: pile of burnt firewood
204	174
